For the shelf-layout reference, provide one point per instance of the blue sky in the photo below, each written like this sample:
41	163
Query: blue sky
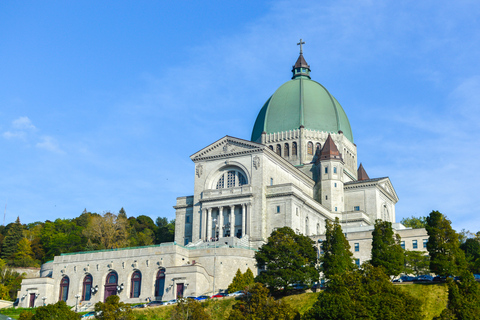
103	102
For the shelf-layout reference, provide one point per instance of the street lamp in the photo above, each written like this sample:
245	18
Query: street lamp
214	253
44	298
77	296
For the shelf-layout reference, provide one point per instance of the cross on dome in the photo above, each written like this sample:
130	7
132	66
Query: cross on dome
300	44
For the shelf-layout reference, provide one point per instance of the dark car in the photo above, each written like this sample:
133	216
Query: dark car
154	304
425	277
220	295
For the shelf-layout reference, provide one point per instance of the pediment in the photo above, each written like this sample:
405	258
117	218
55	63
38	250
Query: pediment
387	187
226	147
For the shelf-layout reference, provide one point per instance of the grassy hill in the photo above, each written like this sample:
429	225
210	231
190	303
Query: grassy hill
433	297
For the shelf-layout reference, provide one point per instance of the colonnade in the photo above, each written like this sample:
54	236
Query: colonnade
224	228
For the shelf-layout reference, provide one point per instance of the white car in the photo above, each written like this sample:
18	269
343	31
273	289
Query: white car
173	301
236	294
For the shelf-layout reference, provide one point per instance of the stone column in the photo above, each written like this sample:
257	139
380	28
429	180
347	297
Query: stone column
248	220
209	224
220	222
243	219
203	227
232	221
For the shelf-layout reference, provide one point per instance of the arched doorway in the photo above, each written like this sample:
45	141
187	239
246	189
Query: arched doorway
160	284
136	284
64	284
87	288
111	284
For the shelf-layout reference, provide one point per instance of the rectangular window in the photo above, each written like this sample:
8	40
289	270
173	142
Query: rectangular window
425	243
335	208
356	208
357	247
357	262
278	209
271	181
403	245
334	169
414	243
326	169
326	197
335	184
188	219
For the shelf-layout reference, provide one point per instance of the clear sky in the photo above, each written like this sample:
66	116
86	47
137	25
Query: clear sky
103	102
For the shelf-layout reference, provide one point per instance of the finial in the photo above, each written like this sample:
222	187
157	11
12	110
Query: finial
300	44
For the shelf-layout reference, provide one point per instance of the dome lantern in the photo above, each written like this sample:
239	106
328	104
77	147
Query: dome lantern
301	67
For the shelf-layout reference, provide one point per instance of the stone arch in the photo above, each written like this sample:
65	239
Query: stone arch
160	284
215	174
111	283
87	287
64	288
135	284
294	148
286	150
310	148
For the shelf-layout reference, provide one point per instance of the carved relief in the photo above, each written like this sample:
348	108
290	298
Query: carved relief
199	170
256	162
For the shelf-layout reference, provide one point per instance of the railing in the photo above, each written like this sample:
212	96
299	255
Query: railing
228	192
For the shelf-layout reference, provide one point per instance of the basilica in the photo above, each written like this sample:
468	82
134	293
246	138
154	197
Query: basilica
299	169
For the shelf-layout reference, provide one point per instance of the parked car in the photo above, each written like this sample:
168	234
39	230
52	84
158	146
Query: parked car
219	295
154	304
439	278
169	302
425	277
191	297
201	298
88	315
237	294
477	277
407	278
142	305
299	286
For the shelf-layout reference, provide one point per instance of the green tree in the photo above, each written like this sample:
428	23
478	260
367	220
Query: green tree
61	236
57	311
416	262
364	294
471	248
189	309
107	232
446	257
386	249
241	280
10	280
256	304
337	257
414	222
113	309
10	243
287	258
165	231
24	255
463	299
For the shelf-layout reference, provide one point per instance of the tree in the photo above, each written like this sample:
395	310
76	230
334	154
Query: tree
287	258
189	309
24	255
386	249
57	311
471	248
364	294
107	232
10	279
256	304
165	231
463	299
240	281
446	258
414	222
10	243
113	309
337	257
416	262
61	236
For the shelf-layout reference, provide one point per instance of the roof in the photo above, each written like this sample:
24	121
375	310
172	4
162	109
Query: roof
361	173
330	150
364	181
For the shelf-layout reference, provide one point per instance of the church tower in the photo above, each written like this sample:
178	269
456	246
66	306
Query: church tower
330	165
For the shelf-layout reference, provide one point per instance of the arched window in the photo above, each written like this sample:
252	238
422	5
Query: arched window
279	150
294	148
160	283
87	287
318	147
307	232
271	147
111	283
136	284
286	152
310	147
233	178
64	284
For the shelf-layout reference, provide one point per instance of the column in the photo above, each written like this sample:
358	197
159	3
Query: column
203	227
232	221
209	224
249	219
243	219
220	223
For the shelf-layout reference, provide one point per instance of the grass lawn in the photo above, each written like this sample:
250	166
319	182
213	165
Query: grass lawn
433	296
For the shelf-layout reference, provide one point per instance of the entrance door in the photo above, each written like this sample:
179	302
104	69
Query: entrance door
111	285
110	291
32	300
179	290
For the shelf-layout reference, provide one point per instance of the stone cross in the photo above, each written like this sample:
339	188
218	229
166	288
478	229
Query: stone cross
300	44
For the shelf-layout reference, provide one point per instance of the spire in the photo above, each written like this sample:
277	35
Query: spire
361	173
330	150
301	67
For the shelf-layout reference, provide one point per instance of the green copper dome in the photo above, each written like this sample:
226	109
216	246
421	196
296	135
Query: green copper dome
301	102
